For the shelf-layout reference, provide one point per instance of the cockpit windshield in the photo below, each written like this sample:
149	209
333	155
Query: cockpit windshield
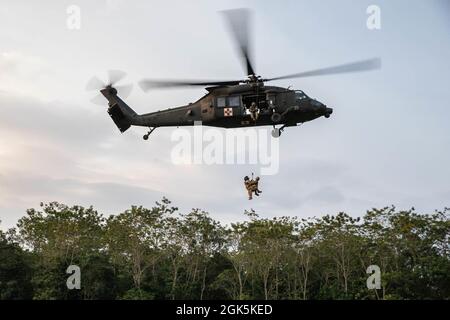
300	95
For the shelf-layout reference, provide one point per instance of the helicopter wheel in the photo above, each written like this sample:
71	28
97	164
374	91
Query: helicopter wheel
276	133
276	117
145	137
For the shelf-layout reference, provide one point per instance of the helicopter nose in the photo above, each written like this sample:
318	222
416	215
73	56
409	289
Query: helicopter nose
328	112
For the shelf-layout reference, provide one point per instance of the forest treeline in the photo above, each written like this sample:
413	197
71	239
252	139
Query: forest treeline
159	253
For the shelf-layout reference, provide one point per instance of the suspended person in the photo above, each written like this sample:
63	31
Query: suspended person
255	186
248	186
252	186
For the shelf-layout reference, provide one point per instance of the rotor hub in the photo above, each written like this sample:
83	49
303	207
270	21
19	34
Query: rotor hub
111	90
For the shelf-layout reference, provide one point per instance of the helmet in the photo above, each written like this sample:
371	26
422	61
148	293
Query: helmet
246	178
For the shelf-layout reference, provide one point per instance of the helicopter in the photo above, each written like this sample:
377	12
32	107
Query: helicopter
230	103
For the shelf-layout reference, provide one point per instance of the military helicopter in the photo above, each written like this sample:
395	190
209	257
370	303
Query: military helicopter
227	104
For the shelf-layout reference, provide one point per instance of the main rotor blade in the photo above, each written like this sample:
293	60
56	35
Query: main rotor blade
366	65
115	76
239	23
147	84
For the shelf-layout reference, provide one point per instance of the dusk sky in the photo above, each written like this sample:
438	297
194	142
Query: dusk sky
387	142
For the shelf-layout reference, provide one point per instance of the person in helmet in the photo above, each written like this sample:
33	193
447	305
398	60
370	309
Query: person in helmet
252	187
254	111
255	186
248	186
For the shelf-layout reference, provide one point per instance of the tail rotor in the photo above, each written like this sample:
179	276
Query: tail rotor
113	77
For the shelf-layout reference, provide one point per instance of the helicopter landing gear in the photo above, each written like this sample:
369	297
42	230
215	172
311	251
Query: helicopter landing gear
145	137
276	117
276	132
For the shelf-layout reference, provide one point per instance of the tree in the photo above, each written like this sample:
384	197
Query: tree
238	260
15	271
264	245
158	253
59	232
133	239
204	237
59	236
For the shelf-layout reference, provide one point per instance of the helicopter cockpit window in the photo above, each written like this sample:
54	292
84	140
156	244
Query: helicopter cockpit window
221	102
300	95
234	101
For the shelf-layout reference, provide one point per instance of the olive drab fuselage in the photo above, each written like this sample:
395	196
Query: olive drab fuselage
227	107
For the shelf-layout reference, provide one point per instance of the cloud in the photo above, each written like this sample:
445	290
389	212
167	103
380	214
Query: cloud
325	196
22	73
28	191
19	64
385	143
59	151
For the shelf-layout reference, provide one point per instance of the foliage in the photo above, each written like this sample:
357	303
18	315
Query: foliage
159	253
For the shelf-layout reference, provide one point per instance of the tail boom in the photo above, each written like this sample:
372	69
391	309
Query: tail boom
122	115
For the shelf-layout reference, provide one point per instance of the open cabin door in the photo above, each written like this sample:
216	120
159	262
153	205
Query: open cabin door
259	99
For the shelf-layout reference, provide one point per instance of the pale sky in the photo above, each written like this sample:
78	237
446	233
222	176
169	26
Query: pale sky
387	141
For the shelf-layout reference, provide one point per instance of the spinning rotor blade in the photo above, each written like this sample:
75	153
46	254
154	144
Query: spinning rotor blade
95	84
366	65
148	84
238	21
124	90
99	100
115	76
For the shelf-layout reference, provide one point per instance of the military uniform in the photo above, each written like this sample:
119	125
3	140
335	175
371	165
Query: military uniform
254	111
254	186
248	186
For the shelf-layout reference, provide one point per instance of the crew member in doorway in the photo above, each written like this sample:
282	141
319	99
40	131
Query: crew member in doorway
254	111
